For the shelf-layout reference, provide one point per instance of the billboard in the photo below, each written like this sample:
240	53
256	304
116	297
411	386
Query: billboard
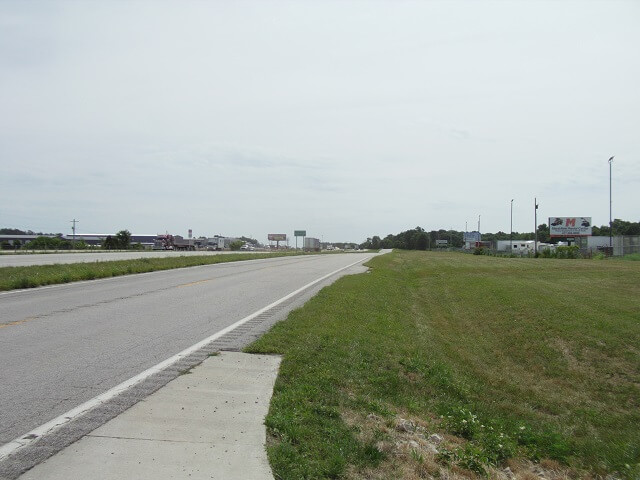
472	236
277	237
569	226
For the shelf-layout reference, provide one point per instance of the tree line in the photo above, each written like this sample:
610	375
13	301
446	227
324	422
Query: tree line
119	241
420	239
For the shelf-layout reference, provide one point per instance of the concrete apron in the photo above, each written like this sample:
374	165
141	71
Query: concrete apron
206	424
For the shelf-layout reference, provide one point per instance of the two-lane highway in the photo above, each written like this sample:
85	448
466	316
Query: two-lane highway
60	346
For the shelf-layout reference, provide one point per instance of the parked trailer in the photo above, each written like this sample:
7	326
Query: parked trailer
311	244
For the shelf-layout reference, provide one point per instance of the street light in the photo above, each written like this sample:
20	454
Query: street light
511	234
535	226
610	219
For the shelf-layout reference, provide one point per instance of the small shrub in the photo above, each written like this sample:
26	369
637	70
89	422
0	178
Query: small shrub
472	457
462	422
236	245
478	251
572	251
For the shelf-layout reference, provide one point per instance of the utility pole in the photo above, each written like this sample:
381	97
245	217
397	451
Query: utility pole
610	203
73	229
511	234
535	226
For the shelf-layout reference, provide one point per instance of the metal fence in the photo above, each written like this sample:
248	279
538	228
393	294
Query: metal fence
620	245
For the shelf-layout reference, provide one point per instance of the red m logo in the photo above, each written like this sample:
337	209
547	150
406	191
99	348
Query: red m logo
571	222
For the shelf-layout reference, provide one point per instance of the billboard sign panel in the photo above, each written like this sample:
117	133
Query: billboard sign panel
472	237
569	226
299	233
442	243
277	237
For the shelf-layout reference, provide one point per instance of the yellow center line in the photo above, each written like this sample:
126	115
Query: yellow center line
218	278
17	322
195	283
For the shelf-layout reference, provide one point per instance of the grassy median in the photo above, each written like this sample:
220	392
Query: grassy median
12	278
505	359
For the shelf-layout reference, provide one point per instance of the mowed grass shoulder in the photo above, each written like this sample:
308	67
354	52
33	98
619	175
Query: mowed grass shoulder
12	278
504	358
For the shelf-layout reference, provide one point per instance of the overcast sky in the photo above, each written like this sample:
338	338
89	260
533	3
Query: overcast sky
347	119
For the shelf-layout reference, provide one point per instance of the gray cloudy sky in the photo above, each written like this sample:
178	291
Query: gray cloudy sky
347	119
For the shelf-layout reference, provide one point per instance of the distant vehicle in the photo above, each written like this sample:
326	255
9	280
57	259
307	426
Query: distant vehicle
216	243
170	242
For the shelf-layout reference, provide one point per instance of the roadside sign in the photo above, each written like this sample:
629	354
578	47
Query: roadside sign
299	233
277	237
569	226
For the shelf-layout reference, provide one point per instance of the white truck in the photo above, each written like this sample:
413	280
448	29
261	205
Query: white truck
217	243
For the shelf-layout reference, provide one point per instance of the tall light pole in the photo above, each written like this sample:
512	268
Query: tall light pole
511	234
535	226
610	219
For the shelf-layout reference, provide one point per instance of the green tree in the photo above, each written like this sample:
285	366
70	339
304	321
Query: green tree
110	243
236	244
123	239
422	241
543	233
45	243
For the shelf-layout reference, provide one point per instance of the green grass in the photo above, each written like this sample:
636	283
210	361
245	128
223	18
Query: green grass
518	357
39	275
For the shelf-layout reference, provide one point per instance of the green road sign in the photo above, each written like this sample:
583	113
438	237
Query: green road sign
299	233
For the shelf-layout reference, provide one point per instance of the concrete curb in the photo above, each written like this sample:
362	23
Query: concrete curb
206	424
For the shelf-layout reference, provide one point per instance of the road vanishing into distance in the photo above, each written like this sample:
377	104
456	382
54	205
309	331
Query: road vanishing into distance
63	345
26	259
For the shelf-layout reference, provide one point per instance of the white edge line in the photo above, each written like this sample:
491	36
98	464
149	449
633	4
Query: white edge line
35	434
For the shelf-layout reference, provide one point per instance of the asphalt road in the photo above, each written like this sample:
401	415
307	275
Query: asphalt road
24	260
62	345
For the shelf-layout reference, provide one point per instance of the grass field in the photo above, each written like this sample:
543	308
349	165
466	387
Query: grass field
506	359
38	275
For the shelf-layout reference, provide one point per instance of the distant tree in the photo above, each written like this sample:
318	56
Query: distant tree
110	243
236	245
11	231
422	241
543	233
123	239
81	245
45	243
252	241
5	245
